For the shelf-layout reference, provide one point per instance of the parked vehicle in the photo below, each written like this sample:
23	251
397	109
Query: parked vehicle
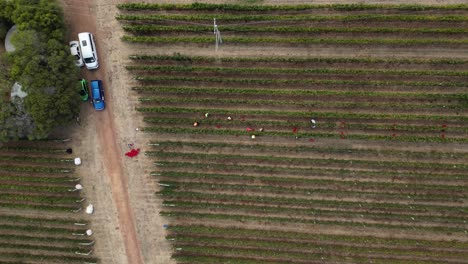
76	52
97	94
88	50
84	94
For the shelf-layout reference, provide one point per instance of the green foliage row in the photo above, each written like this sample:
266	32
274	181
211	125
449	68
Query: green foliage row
43	229
190	58
35	159
35	169
317	161
35	179
227	132
395	208
349	239
151	28
275	40
334	115
32	150
345	174
293	102
280	191
256	255
39	199
208	18
40	221
58	249
299	81
332	249
304	182
44	239
284	220
48	189
403	154
211	254
257	70
58	258
303	124
186	90
239	7
35	206
207	259
252	208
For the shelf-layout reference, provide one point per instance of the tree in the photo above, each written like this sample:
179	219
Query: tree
44	67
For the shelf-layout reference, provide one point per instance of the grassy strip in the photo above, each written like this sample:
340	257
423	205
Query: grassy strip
173	68
208	18
295	60
315	149
145	29
337	103
265	91
343	173
403	209
355	239
35	169
340	116
239	7
340	250
302	182
298	81
288	220
225	132
268	40
215	206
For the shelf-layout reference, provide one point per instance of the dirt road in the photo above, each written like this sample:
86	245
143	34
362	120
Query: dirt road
126	223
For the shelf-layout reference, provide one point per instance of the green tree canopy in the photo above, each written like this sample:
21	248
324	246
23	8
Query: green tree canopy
44	67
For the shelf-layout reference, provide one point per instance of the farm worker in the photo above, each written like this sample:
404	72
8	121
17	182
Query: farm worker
253	136
195	124
261	129
314	123
229	118
249	129
206	115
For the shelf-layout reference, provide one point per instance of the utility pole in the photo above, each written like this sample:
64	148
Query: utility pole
218	39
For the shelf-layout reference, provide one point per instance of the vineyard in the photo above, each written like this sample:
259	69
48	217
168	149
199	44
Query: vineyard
41	211
303	159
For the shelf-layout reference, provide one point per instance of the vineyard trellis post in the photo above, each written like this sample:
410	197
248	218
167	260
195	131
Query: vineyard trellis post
218	39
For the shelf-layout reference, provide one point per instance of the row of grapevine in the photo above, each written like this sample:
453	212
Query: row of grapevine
44	221
306	159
